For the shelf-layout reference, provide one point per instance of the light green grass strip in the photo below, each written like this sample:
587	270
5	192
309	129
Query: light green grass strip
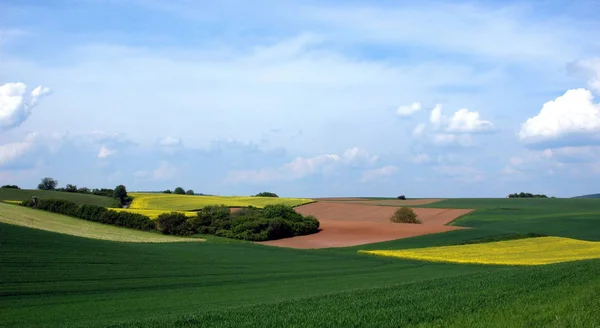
37	219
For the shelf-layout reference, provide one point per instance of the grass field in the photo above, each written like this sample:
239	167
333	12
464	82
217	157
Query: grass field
27	217
27	194
153	214
79	282
155	201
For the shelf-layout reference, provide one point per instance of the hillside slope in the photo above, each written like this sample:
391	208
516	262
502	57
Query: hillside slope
31	218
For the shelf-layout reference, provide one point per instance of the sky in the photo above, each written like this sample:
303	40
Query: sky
302	98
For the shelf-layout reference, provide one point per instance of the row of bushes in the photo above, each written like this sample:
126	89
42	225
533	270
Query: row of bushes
94	213
254	224
251	223
526	195
10	187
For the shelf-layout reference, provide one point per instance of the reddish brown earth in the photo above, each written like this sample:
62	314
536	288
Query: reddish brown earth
345	224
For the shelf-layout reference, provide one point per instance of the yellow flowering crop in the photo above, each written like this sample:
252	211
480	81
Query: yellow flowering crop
529	251
172	202
153	214
11	201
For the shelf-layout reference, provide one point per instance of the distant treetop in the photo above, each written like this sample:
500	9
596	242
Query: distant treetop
266	194
526	195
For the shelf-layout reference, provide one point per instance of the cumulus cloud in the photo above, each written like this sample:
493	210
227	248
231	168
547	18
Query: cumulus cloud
378	173
16	104
467	121
590	68
105	152
409	109
572	115
301	167
418	130
436	115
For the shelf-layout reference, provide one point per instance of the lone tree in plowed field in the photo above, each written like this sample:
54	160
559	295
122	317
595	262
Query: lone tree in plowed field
405	215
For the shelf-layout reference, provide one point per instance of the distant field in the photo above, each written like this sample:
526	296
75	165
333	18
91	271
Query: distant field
529	251
153	214
154	201
26	194
31	218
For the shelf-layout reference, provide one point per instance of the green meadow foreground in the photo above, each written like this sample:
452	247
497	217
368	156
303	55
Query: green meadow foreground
60	280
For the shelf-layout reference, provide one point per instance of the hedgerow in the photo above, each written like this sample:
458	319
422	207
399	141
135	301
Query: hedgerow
94	213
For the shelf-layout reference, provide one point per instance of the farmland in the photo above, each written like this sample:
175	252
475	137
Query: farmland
153	201
84	282
153	214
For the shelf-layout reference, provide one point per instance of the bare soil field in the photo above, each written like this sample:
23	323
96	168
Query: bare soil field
344	224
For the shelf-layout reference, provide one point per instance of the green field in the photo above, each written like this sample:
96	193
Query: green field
62	280
158	201
27	194
31	218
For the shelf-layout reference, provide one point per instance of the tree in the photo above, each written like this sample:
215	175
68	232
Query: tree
48	184
168	191
405	215
402	197
266	194
71	188
10	187
120	193
83	190
179	191
189	192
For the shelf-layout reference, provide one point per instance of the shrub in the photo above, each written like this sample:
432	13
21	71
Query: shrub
255	224
189	192
95	213
174	223
179	191
405	215
402	197
10	187
266	194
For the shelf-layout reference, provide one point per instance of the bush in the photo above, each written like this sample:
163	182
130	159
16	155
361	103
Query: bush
402	197
255	224
266	194
189	192
179	191
174	223
405	215
10	187
95	213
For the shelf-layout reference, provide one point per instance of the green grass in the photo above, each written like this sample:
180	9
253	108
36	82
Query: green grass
26	194
565	217
66	281
37	219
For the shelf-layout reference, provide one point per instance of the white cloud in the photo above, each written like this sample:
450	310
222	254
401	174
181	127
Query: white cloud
467	121
378	173
105	152
357	156
11	151
301	167
573	113
16	104
169	142
418	130
444	139
436	116
409	109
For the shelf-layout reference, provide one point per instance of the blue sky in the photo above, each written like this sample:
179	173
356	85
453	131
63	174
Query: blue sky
302	98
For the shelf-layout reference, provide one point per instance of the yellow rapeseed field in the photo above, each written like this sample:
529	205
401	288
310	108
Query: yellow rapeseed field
530	251
11	201
153	214
172	202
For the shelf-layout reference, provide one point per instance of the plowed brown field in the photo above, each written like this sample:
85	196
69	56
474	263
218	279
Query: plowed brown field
344	224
